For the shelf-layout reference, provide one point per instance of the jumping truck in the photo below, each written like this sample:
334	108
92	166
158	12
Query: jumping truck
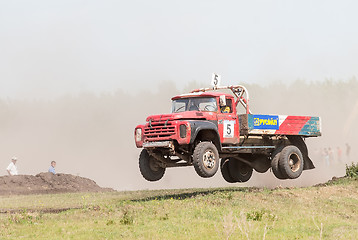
208	128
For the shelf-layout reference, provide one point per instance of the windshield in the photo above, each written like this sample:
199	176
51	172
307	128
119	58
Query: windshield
195	104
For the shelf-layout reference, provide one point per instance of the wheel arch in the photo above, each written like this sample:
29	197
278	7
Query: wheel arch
205	131
300	143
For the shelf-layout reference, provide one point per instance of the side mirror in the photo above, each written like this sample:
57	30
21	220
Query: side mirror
222	100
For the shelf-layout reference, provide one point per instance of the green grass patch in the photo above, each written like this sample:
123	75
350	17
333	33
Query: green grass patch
322	212
352	170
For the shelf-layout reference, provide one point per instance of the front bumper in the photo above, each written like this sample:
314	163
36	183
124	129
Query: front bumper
162	144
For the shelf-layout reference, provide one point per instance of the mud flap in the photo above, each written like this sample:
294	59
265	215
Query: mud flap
298	142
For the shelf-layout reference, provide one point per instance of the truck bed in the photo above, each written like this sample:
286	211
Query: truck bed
257	124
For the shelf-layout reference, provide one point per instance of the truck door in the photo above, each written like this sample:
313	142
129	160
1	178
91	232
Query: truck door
228	123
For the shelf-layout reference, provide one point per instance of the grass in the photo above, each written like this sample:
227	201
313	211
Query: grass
352	170
322	212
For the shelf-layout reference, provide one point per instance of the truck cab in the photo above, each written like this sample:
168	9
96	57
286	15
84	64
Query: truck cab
204	127
193	115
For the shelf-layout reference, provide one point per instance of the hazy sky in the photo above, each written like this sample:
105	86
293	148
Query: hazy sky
49	48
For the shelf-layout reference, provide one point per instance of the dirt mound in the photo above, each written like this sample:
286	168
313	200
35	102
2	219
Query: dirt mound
330	182
44	183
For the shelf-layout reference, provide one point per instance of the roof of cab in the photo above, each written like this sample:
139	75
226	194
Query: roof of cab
201	94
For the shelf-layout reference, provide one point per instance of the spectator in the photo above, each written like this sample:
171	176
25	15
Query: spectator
326	156
348	150
331	155
52	167
12	169
339	154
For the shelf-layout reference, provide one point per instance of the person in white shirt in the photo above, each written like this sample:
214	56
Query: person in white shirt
12	169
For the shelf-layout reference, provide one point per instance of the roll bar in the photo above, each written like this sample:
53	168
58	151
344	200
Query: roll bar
238	92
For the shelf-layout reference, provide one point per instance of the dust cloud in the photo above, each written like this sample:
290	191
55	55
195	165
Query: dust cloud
91	135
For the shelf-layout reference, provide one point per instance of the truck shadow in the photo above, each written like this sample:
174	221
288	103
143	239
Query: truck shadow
194	194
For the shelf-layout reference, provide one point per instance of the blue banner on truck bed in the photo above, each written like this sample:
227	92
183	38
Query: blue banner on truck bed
284	125
269	122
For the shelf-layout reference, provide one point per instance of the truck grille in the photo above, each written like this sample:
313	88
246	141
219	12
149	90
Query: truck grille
159	130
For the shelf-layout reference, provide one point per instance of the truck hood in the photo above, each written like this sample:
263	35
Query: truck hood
192	115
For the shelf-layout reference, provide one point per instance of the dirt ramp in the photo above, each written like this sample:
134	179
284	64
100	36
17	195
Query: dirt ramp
44	183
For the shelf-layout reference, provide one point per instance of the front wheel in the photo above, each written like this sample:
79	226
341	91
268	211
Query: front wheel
149	167
206	159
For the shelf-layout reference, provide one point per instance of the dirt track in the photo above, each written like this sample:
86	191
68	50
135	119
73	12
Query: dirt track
44	183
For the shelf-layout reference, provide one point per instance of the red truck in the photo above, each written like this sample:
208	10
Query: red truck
206	126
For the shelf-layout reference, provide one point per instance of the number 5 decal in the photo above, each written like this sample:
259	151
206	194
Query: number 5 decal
229	127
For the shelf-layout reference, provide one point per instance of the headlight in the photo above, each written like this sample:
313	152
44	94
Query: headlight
138	134
182	131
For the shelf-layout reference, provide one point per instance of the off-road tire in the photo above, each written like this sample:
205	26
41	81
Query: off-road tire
206	159
224	167
291	162
239	171
149	168
274	164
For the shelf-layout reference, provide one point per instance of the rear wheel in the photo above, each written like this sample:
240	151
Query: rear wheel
149	167
239	171
291	162
274	164
224	167
260	163
206	159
